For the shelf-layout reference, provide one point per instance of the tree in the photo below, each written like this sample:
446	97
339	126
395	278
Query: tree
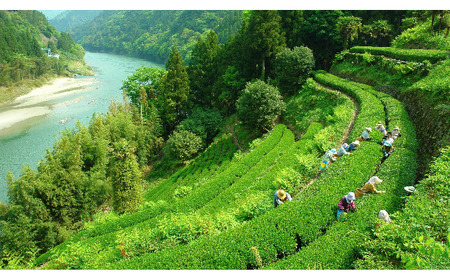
203	122
348	27
65	42
174	86
229	84
291	22
184	144
319	33
264	38
378	33
256	44
292	68
147	77
126	178
259	105
202	69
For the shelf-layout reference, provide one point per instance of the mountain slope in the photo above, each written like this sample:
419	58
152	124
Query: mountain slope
152	34
70	19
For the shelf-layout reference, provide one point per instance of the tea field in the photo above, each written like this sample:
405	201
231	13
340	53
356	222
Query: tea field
217	212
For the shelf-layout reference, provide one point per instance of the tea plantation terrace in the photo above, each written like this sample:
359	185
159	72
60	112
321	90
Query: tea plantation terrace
202	203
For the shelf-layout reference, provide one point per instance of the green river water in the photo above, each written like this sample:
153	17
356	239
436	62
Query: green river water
25	143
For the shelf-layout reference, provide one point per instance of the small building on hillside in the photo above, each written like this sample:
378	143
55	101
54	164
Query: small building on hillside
49	53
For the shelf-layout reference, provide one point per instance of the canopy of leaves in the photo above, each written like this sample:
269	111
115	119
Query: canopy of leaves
348	27
151	34
292	68
259	105
184	144
174	85
147	77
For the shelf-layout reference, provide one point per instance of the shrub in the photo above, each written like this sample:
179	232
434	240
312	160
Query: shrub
184	144
203	122
416	55
181	192
292	68
368	58
420	36
183	228
259	105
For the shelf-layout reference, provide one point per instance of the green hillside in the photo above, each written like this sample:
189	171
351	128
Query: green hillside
184	175
151	34
68	20
26	62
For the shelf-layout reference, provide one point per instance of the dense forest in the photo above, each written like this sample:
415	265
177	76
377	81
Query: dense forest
70	19
182	174
31	48
151	34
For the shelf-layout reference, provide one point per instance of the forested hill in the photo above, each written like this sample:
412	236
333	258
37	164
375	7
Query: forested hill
151	34
71	19
30	47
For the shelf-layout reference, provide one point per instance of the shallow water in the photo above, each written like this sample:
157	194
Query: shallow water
25	143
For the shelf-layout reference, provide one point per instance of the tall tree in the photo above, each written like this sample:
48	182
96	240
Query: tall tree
349	27
291	22
202	70
174	86
126	178
319	33
292	68
256	44
147	77
265	38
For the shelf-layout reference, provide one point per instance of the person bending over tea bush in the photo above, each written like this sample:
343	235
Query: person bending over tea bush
369	187
280	197
343	150
345	204
352	146
380	127
387	142
329	157
396	133
383	215
365	134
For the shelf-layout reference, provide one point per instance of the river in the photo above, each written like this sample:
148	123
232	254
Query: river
26	142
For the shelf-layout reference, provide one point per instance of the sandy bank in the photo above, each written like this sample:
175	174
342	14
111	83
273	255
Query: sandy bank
40	101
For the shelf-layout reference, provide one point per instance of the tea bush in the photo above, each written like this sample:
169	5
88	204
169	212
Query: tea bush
416	237
336	249
217	154
275	233
107	234
417	55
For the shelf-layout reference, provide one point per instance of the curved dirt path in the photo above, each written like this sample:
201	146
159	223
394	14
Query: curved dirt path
344	138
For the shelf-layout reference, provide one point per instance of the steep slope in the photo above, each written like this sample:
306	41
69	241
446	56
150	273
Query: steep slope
70	19
218	200
152	34
417	78
336	248
278	232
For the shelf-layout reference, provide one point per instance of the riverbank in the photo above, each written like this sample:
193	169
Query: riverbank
39	101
